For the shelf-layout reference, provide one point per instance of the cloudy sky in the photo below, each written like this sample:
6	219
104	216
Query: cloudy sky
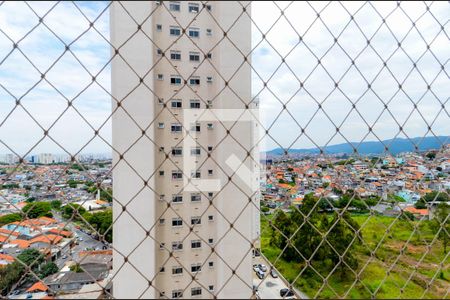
335	84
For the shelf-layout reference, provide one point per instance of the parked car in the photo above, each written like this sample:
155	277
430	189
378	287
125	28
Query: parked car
274	273
262	267
260	274
255	268
286	293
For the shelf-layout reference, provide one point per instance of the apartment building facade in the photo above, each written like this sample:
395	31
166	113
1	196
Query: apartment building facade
185	176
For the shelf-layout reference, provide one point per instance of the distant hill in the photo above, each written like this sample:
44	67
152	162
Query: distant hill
396	146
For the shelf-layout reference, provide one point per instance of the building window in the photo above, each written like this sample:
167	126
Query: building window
210	148
177	198
195	151
162	221
208	31
211	288
162	245
162	270
194	32
174	30
196	268
210	172
209	79
208	7
209	55
194	56
195	127
178	151
177	222
194	80
196	244
194	103
177	270
177	294
210	241
209	126
177	246
176	103
197	291
160	125
193	8
161	173
175	55
210	194
160	77
176	127
160	101
211	264
174	6
196	197
196	174
158	27
158	51
196	220
175	80
177	175
161	197
209	103
210	218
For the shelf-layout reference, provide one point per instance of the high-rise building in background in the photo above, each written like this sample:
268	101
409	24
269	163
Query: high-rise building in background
185	179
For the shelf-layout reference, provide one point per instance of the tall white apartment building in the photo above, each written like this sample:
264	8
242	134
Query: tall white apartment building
184	179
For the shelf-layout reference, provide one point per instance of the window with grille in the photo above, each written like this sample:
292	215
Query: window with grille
196	268
177	270
194	81
176	127
194	56
176	80
195	127
177	246
178	151
194	104
196	197
177	294
177	175
193	7
175	55
197	291
174	6
176	103
174	31
194	32
177	198
177	222
196	244
196	220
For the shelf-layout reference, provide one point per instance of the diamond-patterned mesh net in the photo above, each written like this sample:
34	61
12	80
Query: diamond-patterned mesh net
363	86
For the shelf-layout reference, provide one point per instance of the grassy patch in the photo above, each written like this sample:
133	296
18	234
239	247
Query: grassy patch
389	243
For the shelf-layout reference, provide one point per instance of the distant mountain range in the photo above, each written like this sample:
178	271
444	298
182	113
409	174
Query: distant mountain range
396	146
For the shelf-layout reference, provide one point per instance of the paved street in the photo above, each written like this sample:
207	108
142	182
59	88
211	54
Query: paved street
85	242
269	287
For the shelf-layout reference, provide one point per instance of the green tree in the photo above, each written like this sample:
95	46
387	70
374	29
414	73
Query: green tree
101	222
441	224
343	238
56	204
431	155
9	218
38	209
48	269
73	209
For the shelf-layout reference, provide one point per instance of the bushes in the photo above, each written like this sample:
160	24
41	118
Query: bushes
38	209
6	219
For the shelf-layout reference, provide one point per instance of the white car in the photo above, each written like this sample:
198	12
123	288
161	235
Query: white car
255	268
262	267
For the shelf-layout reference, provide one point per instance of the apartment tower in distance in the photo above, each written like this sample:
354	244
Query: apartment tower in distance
185	180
